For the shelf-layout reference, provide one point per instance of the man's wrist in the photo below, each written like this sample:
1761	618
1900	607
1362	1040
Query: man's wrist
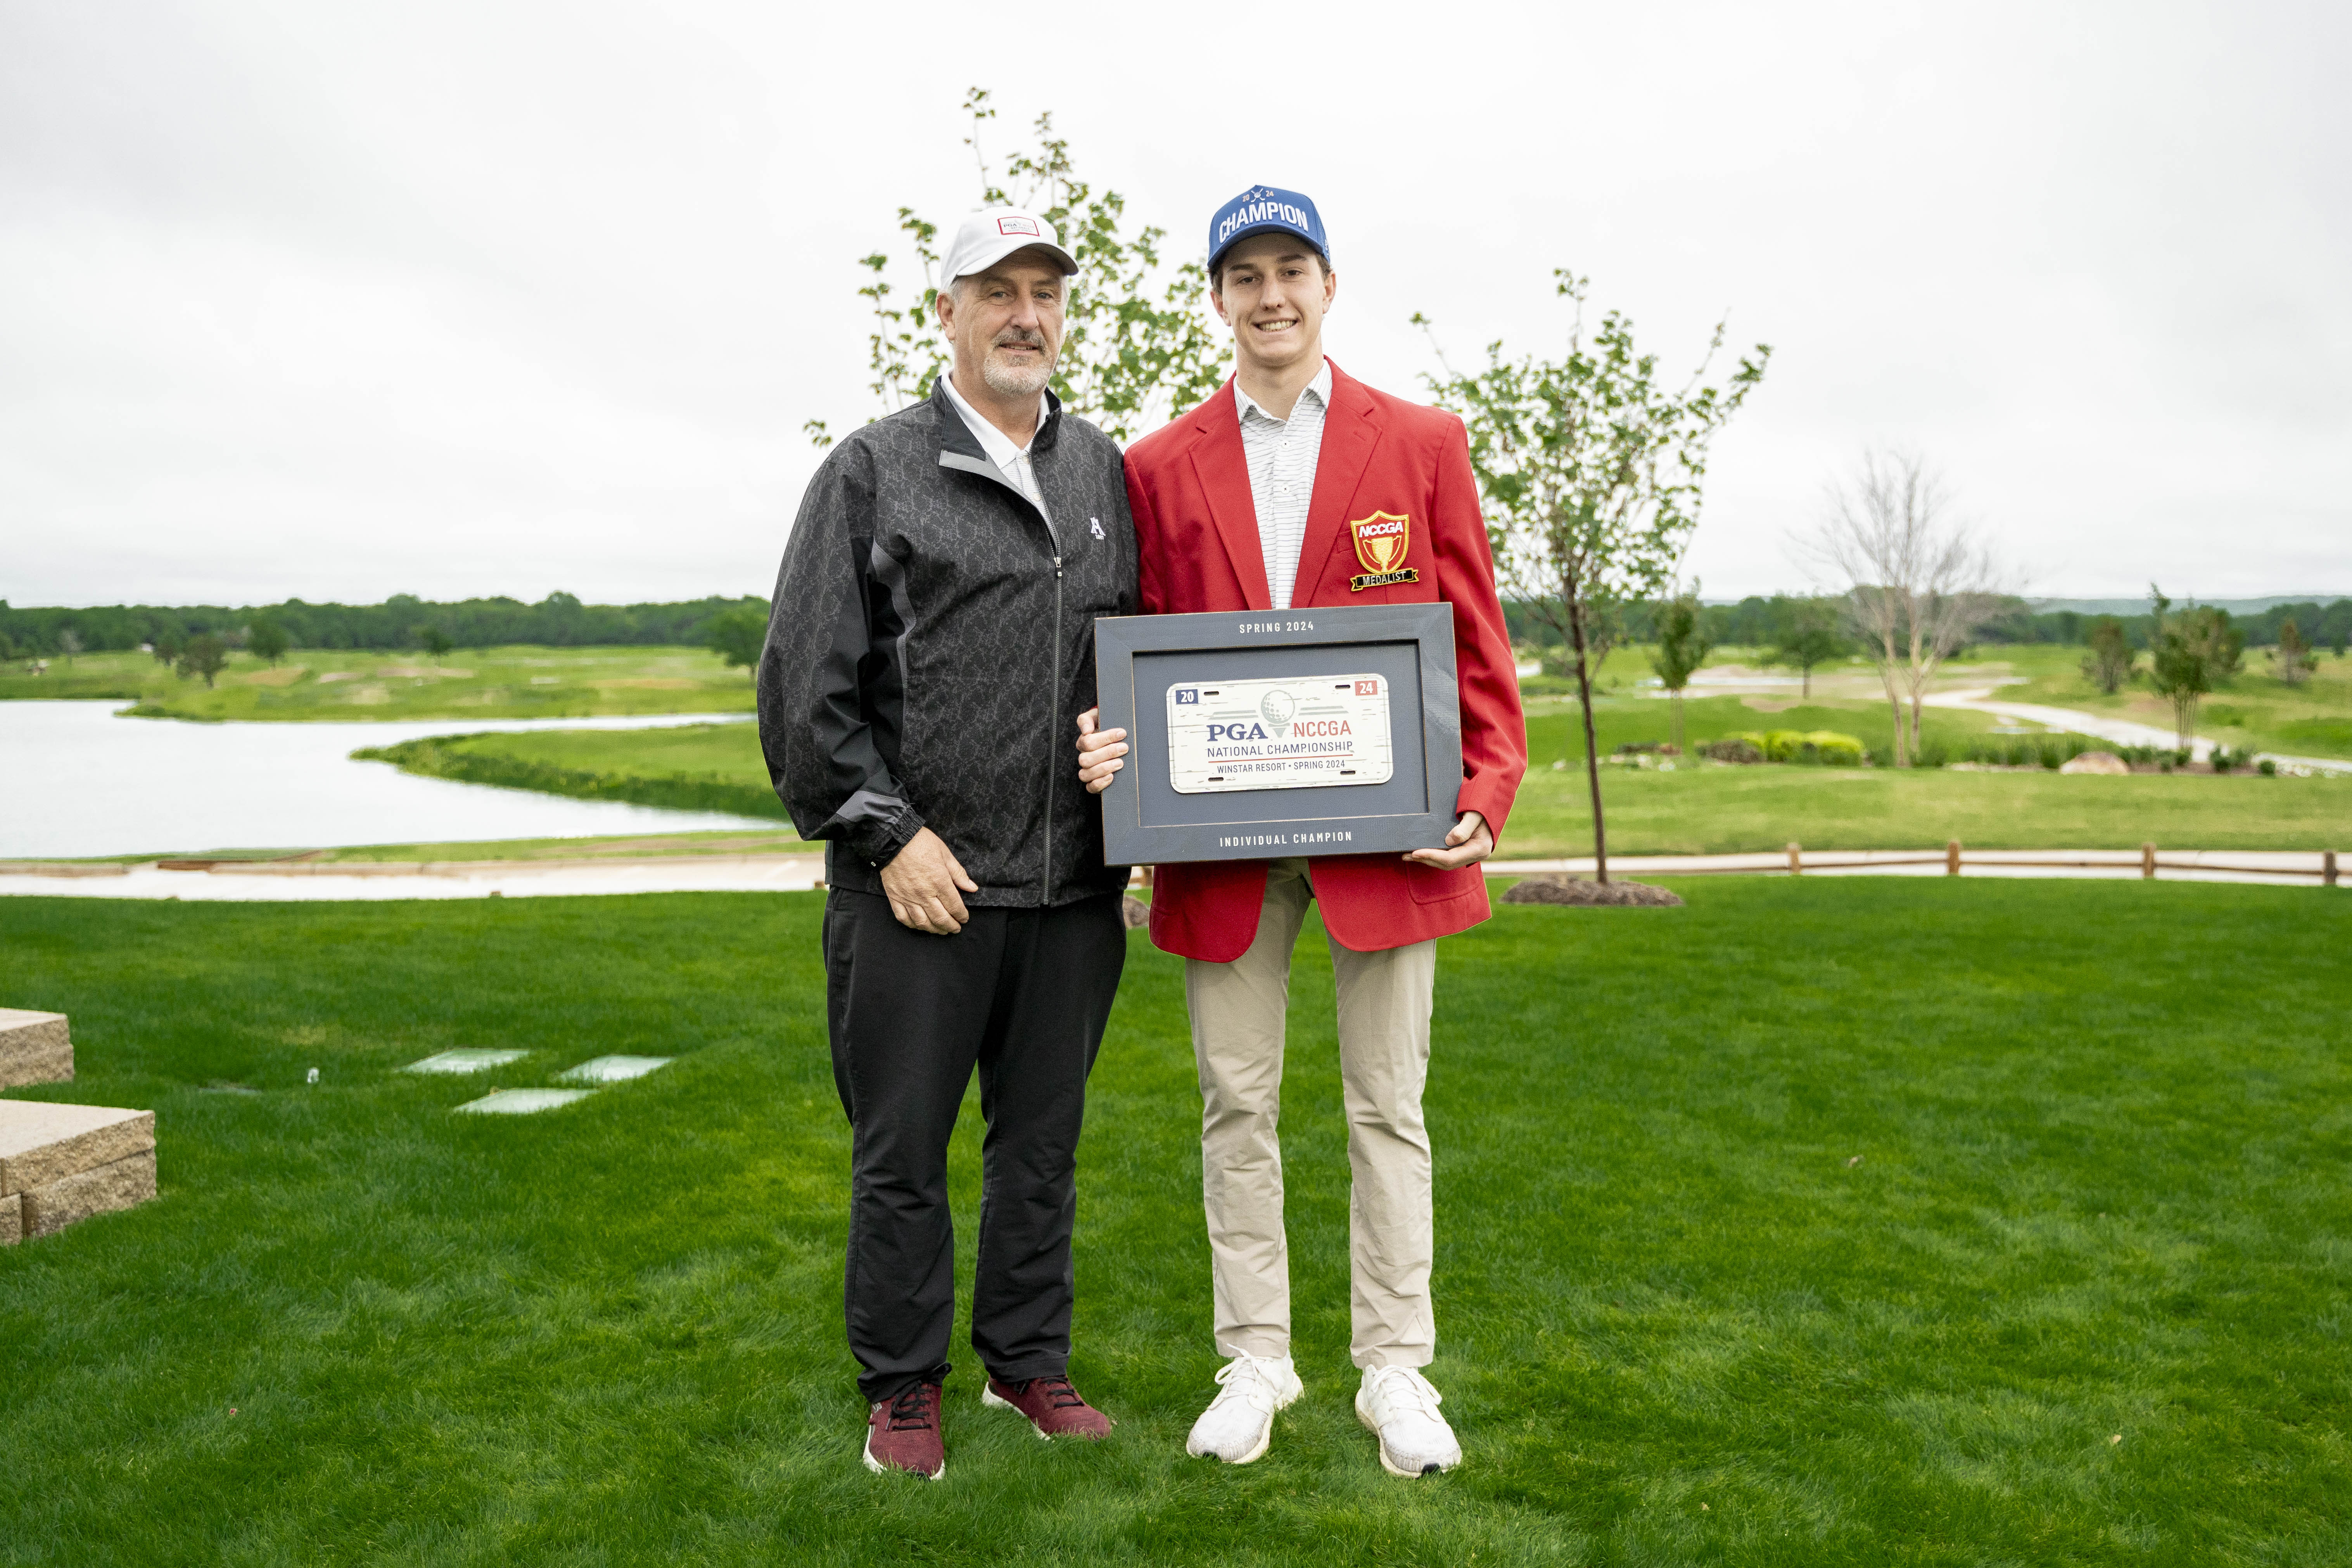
891	837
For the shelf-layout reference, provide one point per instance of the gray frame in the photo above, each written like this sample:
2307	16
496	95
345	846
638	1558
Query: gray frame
1145	825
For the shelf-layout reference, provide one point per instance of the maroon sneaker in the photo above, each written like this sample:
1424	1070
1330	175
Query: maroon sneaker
1052	1405
902	1433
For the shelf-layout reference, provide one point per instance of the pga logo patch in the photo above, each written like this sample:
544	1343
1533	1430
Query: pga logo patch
1188	695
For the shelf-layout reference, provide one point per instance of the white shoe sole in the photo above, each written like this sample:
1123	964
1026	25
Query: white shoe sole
879	1468
1389	1465
1264	1438
991	1399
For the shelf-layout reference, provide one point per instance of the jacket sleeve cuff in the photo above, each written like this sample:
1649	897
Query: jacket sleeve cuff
1492	804
878	843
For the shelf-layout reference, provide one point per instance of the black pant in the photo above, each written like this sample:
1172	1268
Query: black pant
1023	994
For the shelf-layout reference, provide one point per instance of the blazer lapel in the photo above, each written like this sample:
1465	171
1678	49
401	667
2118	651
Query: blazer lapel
1223	469
1350	430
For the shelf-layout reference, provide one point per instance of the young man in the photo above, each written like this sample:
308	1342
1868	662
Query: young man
937	601
1255	501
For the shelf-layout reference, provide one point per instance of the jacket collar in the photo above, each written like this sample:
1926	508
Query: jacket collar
1351	429
955	435
959	449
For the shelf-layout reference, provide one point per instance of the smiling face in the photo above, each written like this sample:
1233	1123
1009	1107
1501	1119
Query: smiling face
1274	291
1005	324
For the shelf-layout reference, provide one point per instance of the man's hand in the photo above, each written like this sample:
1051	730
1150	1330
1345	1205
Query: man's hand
920	882
1468	844
1099	752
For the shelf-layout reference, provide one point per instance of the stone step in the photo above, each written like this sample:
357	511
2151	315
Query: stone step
34	1048
62	1163
125	1184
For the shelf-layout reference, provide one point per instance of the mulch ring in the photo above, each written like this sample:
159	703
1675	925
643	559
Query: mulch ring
1585	892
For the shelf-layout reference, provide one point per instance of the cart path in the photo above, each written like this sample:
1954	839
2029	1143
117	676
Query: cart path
2123	732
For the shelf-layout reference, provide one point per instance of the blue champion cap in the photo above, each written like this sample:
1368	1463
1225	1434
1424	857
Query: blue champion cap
1262	209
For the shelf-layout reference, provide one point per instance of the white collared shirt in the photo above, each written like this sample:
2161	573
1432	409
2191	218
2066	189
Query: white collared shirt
1282	455
1011	461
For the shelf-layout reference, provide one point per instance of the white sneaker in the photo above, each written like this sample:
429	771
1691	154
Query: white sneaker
1239	1423
1397	1403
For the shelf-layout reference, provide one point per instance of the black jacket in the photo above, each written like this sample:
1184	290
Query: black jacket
932	646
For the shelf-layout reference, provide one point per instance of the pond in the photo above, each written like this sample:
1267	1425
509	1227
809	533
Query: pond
77	781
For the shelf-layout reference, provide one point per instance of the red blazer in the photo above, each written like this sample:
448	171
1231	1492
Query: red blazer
1196	527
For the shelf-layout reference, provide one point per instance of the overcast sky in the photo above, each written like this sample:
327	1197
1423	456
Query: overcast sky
344	300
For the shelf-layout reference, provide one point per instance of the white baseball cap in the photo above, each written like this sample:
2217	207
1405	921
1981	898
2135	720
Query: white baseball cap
992	233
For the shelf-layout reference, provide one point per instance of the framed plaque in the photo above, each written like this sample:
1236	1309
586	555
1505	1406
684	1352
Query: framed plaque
1263	733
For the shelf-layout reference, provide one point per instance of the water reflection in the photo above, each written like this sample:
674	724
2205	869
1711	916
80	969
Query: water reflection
75	780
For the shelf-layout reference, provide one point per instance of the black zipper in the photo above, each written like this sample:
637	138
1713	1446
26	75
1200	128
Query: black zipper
1053	727
984	468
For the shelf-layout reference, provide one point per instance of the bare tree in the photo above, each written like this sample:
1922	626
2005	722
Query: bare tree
1918	578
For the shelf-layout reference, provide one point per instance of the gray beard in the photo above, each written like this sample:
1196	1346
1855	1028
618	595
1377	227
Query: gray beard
1008	381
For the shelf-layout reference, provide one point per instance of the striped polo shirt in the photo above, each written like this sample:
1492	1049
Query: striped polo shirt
1282	454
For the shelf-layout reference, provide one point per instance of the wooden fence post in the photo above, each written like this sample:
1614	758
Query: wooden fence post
2147	862
1952	858
2327	867
1796	861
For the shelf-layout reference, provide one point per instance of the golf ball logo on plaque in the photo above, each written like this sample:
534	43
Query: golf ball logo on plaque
1308	731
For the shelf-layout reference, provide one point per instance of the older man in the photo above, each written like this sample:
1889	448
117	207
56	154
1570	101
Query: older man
932	627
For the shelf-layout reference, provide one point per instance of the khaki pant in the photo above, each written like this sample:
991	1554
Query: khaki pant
1237	1034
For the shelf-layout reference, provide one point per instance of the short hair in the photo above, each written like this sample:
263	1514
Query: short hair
1217	268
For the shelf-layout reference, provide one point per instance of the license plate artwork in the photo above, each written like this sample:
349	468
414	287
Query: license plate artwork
1306	732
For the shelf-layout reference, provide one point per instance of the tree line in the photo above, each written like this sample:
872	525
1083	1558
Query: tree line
2322	625
400	622
1760	621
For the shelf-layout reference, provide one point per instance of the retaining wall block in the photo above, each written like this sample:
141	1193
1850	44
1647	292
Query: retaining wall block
34	1048
122	1184
12	1219
41	1144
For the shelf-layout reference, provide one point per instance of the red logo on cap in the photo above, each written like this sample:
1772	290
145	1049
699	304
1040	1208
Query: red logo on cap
1015	225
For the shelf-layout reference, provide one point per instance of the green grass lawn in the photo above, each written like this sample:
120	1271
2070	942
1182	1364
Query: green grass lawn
2100	1193
687	767
521	682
